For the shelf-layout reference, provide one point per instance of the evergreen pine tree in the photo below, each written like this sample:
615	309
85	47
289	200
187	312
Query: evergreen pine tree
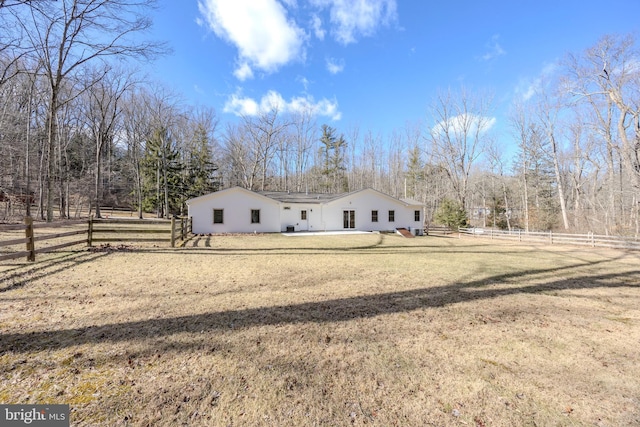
451	214
162	179
332	152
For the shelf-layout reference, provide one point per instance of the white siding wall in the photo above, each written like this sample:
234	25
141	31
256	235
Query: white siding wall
408	218
237	205
363	203
293	216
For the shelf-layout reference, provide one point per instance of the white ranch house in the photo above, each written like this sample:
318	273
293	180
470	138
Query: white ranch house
237	210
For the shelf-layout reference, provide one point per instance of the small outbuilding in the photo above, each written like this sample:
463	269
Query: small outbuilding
238	210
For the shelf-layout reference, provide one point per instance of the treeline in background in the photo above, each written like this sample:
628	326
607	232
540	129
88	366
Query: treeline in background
81	128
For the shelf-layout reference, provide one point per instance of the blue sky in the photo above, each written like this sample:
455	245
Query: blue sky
375	64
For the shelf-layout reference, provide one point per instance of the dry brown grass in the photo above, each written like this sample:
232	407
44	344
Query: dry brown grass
331	330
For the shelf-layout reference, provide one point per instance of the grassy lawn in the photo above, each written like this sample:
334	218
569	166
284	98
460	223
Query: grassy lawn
326	330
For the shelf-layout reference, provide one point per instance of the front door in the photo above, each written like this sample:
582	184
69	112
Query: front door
304	220
349	219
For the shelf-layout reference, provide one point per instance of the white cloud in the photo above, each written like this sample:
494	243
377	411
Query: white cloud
244	106
531	90
353	18
527	89
335	66
241	106
243	72
316	26
463	124
265	37
272	100
305	82
323	107
494	49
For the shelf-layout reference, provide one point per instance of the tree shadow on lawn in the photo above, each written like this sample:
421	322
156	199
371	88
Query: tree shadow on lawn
196	241
23	274
204	241
377	248
337	251
336	310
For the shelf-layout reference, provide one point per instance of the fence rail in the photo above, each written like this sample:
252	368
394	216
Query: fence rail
114	230
590	239
175	231
109	211
181	229
30	238
431	230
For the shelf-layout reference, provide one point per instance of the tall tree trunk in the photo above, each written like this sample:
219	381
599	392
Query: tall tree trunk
556	167
166	191
27	149
525	193
61	178
98	181
506	203
50	151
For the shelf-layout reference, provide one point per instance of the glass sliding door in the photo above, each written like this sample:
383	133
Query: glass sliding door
349	219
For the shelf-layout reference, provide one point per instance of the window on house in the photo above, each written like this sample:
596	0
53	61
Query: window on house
374	216
416	215
218	216
255	216
392	216
303	215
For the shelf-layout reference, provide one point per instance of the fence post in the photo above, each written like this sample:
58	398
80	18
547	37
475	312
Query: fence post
551	237
519	235
173	231
593	242
31	247
183	233
90	231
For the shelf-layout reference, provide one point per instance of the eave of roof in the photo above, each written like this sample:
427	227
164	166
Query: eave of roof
306	198
226	191
289	197
411	202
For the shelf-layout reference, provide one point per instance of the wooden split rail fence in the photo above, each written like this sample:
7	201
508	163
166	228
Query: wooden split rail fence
174	231
123	229
550	237
30	238
433	230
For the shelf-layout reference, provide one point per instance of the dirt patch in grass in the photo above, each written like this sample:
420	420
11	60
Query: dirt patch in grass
326	330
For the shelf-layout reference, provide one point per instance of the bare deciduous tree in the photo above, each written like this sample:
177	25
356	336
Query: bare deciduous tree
606	77
457	137
67	34
102	113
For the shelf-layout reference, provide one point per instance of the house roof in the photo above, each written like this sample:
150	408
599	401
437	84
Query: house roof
229	190
411	202
293	197
289	197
